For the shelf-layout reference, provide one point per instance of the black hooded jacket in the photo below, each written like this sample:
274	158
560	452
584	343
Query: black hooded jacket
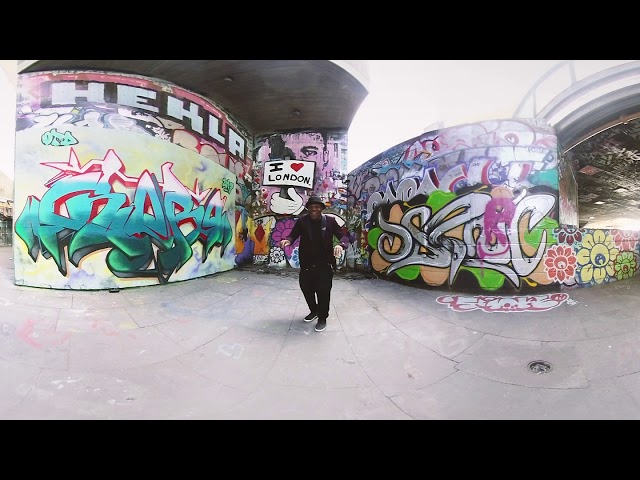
329	228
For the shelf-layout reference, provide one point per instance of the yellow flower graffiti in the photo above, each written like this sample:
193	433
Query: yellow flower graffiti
596	257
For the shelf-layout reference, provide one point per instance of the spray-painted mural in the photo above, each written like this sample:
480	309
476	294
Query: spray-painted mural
586	257
288	168
122	181
469	206
499	304
477	206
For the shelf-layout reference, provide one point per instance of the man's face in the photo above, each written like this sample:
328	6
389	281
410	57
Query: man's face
315	211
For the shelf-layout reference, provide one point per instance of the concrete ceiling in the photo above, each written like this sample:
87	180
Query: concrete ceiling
266	96
607	166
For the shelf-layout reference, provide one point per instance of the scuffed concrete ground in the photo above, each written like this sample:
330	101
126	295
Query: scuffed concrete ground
234	346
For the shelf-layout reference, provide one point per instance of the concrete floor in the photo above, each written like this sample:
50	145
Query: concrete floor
234	346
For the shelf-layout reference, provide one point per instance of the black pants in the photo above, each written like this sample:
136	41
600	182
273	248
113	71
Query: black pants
315	283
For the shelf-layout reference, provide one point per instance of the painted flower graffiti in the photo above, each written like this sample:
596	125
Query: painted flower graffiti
596	257
276	256
625	265
283	230
625	240
560	264
570	235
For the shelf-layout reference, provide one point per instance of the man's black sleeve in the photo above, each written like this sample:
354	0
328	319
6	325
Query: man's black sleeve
295	231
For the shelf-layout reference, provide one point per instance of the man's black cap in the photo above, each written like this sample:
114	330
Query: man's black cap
315	199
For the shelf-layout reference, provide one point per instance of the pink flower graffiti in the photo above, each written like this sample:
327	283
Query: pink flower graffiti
560	264
625	240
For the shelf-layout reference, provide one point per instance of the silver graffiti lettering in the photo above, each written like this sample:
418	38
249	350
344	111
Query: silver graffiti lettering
420	230
391	231
443	251
538	206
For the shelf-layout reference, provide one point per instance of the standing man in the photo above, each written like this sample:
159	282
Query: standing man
317	258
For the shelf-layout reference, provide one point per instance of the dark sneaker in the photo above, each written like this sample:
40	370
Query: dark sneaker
311	317
321	325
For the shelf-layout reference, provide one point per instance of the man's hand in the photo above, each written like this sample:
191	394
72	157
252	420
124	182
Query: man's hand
337	251
284	243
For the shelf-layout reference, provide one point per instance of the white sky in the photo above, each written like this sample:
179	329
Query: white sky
406	96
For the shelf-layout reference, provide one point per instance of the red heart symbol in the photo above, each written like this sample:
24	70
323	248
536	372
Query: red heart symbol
297	166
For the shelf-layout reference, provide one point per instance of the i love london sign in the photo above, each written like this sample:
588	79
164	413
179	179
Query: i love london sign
293	173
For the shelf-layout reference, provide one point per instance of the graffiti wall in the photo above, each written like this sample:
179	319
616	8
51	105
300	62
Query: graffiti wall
471	206
586	257
122	181
288	169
